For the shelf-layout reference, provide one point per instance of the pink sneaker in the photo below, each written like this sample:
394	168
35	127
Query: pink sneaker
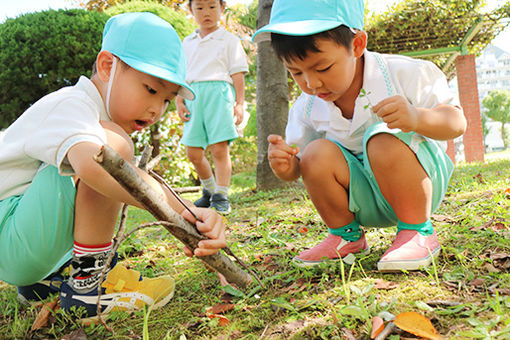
410	251
331	248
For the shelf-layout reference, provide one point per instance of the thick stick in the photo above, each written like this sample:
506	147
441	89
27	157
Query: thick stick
184	231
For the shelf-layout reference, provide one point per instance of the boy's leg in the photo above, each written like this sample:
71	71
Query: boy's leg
196	155
94	225
326	175
223	170
408	189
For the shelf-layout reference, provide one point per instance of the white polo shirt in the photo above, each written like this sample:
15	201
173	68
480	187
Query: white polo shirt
215	57
385	75
46	131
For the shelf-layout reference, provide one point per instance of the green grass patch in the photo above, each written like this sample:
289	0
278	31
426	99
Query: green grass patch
465	293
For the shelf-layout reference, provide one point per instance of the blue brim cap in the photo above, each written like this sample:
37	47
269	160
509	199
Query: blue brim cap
148	44
307	17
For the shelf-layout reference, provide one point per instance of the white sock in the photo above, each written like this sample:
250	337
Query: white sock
209	184
221	190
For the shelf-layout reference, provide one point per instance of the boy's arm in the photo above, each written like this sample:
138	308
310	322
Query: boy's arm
238	83
442	122
81	158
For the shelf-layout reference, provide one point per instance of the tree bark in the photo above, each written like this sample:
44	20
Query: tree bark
272	100
184	231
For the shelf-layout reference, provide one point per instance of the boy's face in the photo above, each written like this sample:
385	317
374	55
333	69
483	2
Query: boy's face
138	100
207	13
328	74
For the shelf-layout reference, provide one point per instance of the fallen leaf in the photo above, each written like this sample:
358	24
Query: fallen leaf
303	230
477	282
507	193
78	334
377	327
222	320
490	268
382	284
220	308
347	334
416	324
42	317
442	218
479	177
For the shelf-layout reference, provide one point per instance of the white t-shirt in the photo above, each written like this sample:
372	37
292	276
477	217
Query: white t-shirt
46	131
420	81
215	57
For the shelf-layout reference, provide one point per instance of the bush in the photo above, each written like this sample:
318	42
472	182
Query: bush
178	20
43	52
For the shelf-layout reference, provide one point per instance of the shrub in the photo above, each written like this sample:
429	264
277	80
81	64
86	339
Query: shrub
42	52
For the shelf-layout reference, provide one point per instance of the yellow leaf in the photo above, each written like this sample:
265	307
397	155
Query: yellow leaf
416	324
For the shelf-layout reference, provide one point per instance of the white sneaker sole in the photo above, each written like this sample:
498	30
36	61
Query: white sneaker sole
408	265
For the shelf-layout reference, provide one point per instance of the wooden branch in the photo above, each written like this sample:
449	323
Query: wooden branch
153	202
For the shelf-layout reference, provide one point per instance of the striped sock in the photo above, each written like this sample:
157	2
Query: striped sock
221	190
209	184
88	262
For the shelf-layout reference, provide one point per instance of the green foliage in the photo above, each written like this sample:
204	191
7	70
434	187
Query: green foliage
418	25
497	107
249	19
178	20
42	52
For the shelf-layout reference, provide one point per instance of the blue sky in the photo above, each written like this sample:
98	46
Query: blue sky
13	8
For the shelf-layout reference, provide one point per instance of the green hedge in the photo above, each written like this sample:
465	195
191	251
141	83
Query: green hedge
42	52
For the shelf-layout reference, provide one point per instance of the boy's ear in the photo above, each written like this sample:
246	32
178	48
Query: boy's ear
104	64
359	43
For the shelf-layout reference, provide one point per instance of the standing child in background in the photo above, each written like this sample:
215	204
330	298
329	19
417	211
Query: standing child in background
216	64
361	165
58	206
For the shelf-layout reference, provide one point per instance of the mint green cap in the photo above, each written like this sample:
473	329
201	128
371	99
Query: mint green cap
148	44
307	17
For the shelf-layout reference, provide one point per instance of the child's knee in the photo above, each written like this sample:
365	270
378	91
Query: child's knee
384	149
317	158
119	140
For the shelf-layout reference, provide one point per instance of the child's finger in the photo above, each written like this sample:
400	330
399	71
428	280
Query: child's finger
274	139
209	247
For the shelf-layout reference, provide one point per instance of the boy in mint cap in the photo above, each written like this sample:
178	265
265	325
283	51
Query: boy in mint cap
368	130
57	205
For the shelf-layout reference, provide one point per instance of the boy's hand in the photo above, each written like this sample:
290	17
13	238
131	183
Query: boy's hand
238	113
397	113
182	110
280	154
211	226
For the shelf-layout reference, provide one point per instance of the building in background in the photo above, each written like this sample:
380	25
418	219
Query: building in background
493	73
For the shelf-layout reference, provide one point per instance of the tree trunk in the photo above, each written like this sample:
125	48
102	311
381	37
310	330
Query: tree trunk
272	100
155	139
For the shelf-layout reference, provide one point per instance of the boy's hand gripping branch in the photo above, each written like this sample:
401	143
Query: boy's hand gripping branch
183	230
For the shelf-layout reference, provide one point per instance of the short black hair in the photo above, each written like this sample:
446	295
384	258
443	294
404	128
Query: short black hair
189	3
288	47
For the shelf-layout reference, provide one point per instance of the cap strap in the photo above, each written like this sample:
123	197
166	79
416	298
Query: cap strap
110	82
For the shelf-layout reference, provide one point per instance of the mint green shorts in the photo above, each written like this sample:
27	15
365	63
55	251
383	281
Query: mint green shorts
36	228
212	115
366	201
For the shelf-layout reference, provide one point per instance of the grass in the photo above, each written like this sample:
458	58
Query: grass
465	293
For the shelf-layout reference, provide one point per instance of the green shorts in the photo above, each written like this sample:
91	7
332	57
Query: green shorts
36	228
212	115
366	201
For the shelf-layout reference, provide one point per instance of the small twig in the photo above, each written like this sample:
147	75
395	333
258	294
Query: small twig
142	164
386	331
264	332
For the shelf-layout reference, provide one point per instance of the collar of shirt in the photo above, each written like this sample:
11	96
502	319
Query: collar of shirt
376	86
216	35
86	85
